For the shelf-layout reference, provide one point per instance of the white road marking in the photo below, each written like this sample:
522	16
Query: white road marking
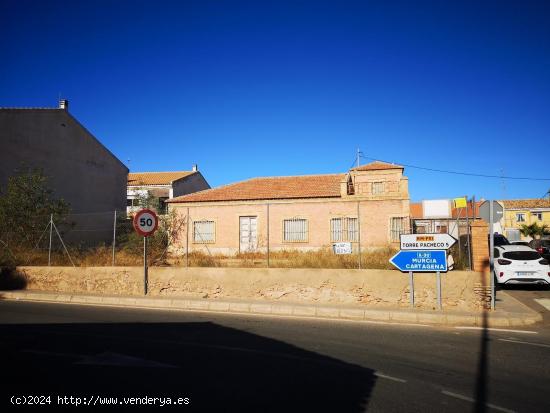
469	399
545	302
497	329
524	342
385	376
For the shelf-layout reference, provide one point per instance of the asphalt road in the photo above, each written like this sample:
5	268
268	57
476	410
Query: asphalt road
223	362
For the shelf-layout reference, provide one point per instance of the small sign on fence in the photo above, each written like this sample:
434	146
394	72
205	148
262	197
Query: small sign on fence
342	247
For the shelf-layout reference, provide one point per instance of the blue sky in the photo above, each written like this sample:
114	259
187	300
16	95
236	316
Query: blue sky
248	89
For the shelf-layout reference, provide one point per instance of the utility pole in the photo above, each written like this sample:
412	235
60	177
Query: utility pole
358	152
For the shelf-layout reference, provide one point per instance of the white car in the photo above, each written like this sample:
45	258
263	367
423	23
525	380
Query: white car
524	243
517	264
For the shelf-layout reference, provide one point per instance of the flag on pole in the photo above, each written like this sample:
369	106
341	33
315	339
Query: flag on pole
460	202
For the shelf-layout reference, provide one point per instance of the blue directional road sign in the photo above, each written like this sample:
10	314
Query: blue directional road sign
420	261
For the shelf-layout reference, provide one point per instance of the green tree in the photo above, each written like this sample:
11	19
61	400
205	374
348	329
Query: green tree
534	230
25	207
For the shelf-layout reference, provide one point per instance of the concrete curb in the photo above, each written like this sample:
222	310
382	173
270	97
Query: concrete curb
499	318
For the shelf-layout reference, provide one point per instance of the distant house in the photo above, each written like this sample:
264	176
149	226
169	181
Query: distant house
367	207
162	186
518	212
80	168
440	216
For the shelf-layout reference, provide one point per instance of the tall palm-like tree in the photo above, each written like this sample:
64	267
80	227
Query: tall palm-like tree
534	230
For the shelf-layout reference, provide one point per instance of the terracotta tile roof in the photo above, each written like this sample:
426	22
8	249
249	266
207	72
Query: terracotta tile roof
525	203
156	178
377	166
278	187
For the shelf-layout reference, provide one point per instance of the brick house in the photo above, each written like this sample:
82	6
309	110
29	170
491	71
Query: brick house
162	186
368	206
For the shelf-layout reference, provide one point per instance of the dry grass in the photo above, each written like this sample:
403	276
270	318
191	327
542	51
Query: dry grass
323	258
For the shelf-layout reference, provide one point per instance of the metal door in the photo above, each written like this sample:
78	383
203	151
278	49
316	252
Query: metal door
248	233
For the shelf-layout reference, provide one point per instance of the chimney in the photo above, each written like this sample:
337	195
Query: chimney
195	168
63	104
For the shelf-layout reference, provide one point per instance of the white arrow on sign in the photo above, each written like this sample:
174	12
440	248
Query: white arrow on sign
426	241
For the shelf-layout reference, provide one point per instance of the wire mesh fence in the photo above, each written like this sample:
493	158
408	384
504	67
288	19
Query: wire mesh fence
109	239
84	239
459	228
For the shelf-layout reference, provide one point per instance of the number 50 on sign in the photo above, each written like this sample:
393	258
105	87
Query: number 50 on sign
146	222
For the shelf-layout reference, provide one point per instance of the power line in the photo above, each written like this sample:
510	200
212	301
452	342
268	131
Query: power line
457	172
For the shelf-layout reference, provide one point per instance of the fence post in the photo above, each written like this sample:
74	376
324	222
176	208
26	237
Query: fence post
50	247
268	235
187	240
114	239
468	233
359	233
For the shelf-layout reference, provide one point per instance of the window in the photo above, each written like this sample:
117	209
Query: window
377	188
496	253
537	215
343	229
295	230
420	230
397	227
513	234
351	188
133	202
520	217
522	255
163	206
441	229
204	231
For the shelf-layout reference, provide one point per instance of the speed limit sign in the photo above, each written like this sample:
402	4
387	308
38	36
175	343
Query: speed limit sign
146	222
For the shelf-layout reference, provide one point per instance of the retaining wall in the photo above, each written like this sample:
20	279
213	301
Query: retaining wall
460	289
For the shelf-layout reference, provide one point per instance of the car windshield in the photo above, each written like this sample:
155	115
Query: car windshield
545	243
500	240
522	255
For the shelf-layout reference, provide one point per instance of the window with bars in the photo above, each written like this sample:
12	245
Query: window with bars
397	227
344	229
204	231
295	230
377	188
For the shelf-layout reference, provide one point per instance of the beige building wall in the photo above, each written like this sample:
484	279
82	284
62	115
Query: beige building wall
374	222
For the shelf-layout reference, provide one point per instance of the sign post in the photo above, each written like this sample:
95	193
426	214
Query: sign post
145	223
491	212
145	270
438	279
411	285
492	252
